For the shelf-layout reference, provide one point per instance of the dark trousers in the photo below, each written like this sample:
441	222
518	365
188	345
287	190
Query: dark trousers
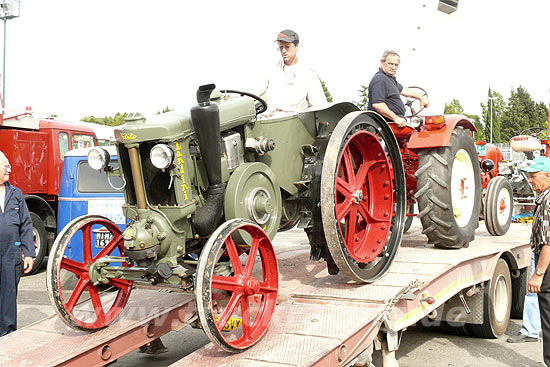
544	307
9	279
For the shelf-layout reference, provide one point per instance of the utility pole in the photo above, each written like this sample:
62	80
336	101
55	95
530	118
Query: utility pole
9	9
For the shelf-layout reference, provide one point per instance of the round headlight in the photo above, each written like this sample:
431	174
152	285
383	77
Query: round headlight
415	122
161	156
98	158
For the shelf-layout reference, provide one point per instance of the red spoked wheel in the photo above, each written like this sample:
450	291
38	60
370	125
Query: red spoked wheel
363	196
79	303
236	285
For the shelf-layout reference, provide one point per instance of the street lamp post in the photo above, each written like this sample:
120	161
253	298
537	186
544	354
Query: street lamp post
9	9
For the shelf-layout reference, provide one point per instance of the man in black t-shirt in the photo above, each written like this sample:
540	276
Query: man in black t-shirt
385	92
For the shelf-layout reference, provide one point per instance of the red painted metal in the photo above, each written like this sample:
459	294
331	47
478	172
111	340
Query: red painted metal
438	138
103	317
237	295
364	196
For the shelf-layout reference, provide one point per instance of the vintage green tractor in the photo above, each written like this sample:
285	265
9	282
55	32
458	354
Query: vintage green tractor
206	192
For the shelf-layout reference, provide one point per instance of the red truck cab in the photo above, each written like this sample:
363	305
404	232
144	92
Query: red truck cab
35	148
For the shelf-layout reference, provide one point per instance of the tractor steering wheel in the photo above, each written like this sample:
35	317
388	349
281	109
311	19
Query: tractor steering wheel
261	106
535	131
414	104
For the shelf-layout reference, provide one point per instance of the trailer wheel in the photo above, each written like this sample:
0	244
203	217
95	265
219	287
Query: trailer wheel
449	191
235	302
519	291
363	196
498	206
497	303
40	238
68	282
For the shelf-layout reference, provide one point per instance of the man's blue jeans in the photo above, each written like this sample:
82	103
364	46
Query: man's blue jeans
531	314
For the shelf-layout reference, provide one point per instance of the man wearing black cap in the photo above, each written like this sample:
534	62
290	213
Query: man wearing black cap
539	179
291	86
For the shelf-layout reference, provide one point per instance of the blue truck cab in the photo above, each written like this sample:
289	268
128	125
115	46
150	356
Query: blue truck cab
83	191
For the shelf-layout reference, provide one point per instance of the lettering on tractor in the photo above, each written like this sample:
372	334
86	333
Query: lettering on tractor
206	192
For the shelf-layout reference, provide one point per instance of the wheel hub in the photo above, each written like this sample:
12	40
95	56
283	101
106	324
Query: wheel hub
358	196
251	286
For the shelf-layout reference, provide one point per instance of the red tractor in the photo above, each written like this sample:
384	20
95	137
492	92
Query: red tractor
442	175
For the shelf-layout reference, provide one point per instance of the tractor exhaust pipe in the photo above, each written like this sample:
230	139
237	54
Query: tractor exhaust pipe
205	119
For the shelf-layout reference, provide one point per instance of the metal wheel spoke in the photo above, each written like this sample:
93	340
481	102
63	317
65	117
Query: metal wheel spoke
109	248
77	292
96	302
348	166
228	311
367	216
87	244
73	266
351	224
245	310
226	283
343	187
251	257
266	289
343	209
233	255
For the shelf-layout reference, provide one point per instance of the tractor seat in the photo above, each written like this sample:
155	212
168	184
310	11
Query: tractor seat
525	143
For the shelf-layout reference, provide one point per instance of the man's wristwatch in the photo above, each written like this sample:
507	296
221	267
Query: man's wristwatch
538	272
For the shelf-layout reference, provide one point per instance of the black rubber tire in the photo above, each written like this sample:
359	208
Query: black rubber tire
409	220
452	328
501	281
435	206
352	124
519	291
41	242
498	226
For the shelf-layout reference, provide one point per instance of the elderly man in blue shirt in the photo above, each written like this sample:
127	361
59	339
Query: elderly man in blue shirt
15	237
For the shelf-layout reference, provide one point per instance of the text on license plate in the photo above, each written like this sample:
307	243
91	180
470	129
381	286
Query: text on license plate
102	237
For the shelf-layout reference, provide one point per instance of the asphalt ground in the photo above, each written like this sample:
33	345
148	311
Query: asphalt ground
420	345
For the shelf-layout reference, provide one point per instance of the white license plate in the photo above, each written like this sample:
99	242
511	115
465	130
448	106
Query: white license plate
102	237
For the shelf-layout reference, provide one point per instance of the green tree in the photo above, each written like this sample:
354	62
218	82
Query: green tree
117	119
364	95
496	110
325	89
164	110
522	113
454	108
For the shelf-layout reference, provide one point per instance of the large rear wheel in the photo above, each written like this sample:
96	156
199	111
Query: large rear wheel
449	191
363	196
237	283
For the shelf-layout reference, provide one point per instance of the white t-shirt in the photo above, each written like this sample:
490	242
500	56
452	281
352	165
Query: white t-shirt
2	198
292	89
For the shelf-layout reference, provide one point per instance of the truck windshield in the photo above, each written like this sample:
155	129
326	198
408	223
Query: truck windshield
91	181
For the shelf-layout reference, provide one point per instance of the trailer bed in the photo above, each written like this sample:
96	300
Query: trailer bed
321	320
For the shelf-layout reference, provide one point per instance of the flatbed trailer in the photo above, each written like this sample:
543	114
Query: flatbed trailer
321	320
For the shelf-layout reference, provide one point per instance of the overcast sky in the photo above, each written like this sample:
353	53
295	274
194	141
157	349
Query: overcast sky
77	58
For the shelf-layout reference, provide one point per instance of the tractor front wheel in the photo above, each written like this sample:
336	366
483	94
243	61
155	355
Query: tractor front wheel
498	206
236	285
449	191
79	303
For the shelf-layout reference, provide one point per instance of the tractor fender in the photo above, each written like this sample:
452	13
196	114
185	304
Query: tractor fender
439	138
